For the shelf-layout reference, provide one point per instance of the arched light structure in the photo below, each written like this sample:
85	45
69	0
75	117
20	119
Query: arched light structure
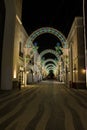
49	65
49	51
50	30
49	60
50	68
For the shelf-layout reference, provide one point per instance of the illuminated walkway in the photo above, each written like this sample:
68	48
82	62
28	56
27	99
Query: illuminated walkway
44	106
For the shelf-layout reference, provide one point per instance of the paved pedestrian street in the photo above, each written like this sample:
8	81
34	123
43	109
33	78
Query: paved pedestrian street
48	105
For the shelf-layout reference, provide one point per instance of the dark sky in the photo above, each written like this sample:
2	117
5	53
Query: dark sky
58	14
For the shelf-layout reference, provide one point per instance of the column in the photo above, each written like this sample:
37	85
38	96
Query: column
8	46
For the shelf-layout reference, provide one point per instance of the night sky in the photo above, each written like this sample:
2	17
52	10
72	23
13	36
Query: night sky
58	14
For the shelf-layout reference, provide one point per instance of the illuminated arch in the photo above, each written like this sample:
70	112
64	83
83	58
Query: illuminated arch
49	60
49	65
50	30
49	51
50	68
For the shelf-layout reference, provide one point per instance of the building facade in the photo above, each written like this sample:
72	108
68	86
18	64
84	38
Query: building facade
76	54
12	37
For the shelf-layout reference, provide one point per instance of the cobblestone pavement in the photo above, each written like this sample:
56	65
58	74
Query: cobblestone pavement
44	106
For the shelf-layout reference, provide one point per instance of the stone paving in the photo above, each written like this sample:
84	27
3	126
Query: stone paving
45	106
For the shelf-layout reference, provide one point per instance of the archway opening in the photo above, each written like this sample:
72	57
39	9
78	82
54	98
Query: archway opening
51	75
60	42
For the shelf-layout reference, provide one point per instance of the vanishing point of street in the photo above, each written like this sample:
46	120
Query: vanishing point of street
47	105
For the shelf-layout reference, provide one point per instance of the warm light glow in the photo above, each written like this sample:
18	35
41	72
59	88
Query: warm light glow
14	73
21	68
27	72
75	71
83	71
18	19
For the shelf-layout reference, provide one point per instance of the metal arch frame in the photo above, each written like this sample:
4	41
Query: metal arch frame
49	51
50	30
